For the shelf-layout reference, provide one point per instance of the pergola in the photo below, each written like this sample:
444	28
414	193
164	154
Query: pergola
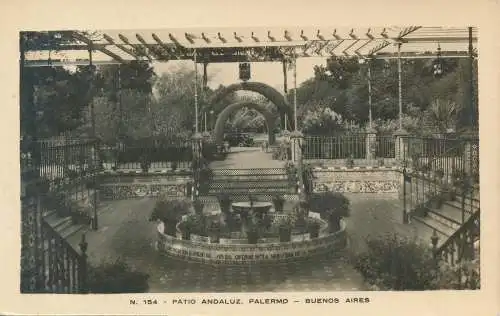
258	44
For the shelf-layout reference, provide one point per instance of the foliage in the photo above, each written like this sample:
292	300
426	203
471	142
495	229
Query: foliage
332	206
392	262
278	202
282	151
323	121
117	277
224	203
342	86
396	263
198	207
443	114
170	211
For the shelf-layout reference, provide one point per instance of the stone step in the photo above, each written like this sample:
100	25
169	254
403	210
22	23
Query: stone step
253	191
246	184
449	216
426	227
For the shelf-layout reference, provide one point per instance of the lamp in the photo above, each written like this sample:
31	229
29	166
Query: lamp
438	65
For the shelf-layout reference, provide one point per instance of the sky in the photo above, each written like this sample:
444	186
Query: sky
265	72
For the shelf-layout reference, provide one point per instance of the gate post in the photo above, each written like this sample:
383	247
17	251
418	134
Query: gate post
371	143
296	141
401	146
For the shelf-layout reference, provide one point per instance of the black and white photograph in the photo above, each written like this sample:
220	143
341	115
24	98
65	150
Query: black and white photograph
249	159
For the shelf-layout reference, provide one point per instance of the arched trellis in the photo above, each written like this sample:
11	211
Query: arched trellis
273	95
232	108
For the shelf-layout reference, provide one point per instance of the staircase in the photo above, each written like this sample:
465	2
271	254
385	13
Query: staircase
447	219
261	183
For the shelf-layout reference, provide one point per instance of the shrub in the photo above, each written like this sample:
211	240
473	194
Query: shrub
395	263
170	212
332	206
117	277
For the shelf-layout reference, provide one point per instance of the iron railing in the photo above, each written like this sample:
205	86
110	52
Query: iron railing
158	154
68	159
49	264
54	174
335	147
64	268
355	146
447	158
385	146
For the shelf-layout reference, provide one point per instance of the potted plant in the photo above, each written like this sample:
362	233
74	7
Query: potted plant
145	163
224	203
332	206
349	162
214	231
448	192
252	232
422	210
313	228
278	202
381	162
435	200
173	165
285	227
439	174
187	226
169	212
198	207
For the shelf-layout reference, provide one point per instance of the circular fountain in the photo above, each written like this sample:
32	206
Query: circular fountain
241	247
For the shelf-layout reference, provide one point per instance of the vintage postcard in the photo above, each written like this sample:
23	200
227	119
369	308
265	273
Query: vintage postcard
196	169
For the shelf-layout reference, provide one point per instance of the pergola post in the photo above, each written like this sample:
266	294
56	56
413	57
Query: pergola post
285	86
400	92
195	91
473	109
295	90
369	95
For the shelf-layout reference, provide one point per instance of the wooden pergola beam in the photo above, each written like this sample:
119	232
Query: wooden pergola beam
165	46
103	50
141	49
152	48
122	47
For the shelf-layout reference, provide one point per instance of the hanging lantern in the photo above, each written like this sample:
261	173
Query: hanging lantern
245	73
438	65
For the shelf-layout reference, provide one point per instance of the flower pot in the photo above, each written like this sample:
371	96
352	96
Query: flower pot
278	204
285	234
186	235
314	231
173	165
436	203
252	237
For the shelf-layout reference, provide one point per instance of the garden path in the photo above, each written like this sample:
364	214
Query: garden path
247	158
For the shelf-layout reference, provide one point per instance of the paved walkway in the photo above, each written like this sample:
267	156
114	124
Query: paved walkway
247	158
125	232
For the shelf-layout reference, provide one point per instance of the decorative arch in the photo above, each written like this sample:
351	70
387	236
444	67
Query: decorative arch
232	108
265	90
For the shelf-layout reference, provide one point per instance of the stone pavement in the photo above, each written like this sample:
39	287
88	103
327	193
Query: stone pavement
125	232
